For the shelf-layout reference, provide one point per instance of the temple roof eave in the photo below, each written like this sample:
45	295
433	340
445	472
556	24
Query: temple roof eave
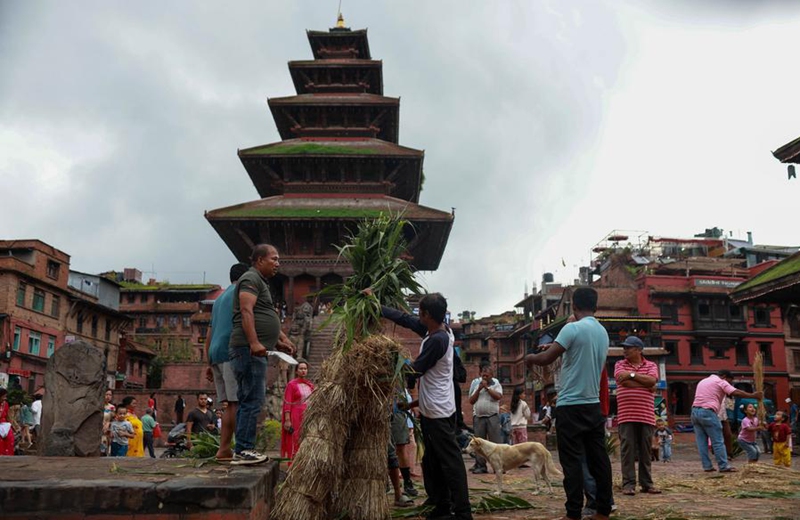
328	206
321	147
338	99
431	227
359	35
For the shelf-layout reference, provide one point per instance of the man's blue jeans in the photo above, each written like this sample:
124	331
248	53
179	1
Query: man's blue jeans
707	426
250	375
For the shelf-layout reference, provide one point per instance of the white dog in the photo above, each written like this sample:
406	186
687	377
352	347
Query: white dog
503	457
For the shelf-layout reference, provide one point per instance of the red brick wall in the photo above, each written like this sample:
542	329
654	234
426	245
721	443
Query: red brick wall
186	377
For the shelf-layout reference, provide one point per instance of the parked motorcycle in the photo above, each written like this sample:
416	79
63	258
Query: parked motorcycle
176	443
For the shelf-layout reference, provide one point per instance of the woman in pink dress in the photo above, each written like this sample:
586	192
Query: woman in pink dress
294	406
6	432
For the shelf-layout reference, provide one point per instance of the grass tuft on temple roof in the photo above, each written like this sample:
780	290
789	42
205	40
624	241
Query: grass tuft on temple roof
284	212
310	149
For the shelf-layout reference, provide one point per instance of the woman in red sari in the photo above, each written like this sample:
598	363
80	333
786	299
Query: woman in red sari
294	406
6	432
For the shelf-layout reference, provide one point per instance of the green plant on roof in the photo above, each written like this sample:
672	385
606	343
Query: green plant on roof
311	149
164	286
290	212
786	267
375	253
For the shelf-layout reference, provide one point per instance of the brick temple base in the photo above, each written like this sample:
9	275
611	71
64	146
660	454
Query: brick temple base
125	488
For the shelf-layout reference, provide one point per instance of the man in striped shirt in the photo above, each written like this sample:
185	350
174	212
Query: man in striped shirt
636	380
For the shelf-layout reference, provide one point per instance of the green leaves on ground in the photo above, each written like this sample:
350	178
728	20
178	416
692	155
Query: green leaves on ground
204	445
766	494
486	504
504	502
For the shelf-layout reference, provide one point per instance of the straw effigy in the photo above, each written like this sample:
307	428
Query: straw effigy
317	465
758	379
340	468
362	493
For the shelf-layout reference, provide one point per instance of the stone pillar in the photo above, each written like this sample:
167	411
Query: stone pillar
72	407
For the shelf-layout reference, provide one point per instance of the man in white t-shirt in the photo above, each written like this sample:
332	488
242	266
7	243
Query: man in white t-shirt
36	410
485	393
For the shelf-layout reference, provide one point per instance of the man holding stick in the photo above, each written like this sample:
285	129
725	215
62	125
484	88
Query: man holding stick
707	401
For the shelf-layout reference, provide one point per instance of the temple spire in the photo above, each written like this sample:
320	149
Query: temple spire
340	21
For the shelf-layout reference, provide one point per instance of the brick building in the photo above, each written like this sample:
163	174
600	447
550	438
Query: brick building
133	364
44	305
685	284
672	293
778	287
169	319
93	316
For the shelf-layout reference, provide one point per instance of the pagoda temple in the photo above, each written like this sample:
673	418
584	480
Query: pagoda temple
339	162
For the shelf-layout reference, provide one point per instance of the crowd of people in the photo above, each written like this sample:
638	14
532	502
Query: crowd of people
246	327
126	434
20	423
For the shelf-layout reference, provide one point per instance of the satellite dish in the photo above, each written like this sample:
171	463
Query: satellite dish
792	174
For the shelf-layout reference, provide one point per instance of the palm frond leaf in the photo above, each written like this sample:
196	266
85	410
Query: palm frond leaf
376	253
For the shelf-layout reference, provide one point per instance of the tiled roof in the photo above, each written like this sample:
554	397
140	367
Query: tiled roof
335	63
318	39
139	348
781	275
331	147
335	100
789	153
722	266
313	207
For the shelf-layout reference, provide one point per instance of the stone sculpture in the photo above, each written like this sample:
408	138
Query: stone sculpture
72	407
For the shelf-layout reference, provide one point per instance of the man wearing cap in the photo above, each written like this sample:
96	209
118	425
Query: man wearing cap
636	381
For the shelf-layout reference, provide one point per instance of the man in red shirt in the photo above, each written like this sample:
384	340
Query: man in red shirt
636	380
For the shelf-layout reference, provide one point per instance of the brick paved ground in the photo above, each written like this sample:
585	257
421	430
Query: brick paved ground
689	493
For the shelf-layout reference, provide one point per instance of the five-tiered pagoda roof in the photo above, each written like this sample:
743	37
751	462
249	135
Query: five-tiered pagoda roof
339	162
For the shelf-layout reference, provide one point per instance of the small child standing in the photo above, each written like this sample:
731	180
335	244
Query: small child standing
664	436
121	431
747	434
780	433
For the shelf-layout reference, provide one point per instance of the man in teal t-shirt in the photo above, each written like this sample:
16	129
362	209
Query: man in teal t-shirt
583	347
219	370
148	424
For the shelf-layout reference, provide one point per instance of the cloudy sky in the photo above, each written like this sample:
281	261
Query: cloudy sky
546	124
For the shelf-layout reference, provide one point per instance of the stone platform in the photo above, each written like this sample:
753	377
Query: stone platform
127	488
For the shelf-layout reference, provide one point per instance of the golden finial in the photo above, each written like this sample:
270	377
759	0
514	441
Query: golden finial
340	22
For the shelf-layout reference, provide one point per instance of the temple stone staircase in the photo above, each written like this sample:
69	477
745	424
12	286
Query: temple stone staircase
321	345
